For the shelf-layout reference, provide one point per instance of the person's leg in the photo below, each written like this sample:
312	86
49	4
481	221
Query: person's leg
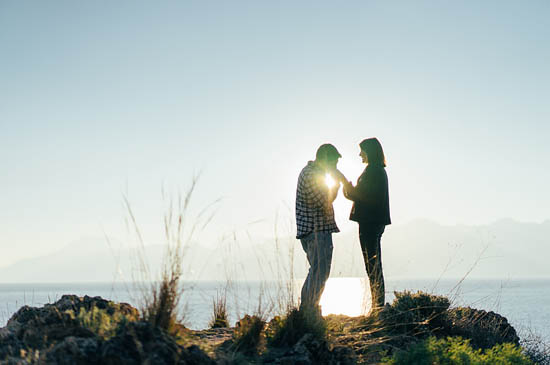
307	243
324	263
369	236
378	273
318	247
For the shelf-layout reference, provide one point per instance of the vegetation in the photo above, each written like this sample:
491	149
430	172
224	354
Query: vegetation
220	316
415	313
248	334
455	350
99	321
160	302
288	330
417	328
536	348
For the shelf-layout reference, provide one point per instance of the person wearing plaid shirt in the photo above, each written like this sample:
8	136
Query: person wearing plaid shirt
315	220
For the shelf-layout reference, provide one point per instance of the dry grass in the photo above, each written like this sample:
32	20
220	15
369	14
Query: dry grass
248	334
220	316
160	301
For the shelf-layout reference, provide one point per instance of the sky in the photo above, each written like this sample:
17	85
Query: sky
100	99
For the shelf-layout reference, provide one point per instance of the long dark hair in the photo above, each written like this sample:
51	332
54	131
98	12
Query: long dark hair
373	150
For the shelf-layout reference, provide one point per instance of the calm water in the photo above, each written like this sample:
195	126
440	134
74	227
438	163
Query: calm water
526	303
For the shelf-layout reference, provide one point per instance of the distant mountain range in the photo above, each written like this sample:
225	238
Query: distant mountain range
418	249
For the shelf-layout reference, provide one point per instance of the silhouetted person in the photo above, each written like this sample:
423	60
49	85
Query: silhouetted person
371	209
315	221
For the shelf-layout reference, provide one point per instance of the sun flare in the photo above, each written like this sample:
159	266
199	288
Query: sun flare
329	181
346	296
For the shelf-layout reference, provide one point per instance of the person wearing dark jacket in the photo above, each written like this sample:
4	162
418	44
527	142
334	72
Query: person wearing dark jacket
371	209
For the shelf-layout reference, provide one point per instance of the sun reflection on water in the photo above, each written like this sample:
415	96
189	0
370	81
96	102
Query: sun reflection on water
348	296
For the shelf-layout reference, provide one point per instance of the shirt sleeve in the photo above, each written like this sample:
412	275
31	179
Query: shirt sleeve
316	190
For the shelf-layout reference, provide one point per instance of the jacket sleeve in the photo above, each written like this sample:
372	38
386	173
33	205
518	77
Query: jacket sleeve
369	188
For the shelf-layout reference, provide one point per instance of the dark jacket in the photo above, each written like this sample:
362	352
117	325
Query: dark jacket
371	203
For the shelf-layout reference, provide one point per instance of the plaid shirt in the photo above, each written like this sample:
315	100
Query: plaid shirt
314	212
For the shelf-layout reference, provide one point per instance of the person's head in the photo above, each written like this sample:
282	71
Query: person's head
372	152
327	156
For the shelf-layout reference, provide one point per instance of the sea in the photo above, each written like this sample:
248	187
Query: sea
525	303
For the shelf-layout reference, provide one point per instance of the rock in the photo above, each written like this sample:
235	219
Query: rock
484	329
140	342
74	350
308	351
415	314
54	334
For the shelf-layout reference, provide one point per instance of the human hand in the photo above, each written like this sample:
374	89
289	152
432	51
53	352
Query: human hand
339	176
346	187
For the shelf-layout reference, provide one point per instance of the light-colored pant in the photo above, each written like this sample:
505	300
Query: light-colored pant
318	247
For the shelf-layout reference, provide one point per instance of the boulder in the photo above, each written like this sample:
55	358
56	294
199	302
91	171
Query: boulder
484	329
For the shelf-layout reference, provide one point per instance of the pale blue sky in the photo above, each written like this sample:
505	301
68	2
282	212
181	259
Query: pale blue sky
96	96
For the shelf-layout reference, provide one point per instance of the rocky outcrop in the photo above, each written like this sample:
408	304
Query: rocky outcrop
420	315
89	330
484	329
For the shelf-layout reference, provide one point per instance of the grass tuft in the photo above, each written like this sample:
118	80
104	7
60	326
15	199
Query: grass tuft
248	334
288	330
99	321
220	317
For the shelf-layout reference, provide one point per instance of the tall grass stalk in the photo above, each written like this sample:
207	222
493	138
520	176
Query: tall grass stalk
220	316
160	295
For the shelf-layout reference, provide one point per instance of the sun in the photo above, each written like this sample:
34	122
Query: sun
329	181
345	296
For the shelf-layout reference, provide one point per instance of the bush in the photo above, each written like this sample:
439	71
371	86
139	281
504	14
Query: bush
219	315
290	329
415	313
248	334
536	348
455	350
99	321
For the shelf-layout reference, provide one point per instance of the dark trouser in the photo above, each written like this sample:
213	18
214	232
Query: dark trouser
318	248
369	236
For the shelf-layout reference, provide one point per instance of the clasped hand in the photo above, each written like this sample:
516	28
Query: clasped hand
339	176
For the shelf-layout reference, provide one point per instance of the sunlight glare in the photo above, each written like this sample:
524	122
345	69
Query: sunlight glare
345	296
329	181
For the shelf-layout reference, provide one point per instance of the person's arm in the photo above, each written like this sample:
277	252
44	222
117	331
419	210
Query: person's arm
316	191
368	189
339	178
349	191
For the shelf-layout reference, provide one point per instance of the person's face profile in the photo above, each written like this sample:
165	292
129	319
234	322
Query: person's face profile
364	157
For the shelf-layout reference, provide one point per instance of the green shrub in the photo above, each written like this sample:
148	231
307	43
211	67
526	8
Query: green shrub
248	334
99	321
415	313
455	350
288	330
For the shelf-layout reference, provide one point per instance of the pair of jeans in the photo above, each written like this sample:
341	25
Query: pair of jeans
318	248
370	236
